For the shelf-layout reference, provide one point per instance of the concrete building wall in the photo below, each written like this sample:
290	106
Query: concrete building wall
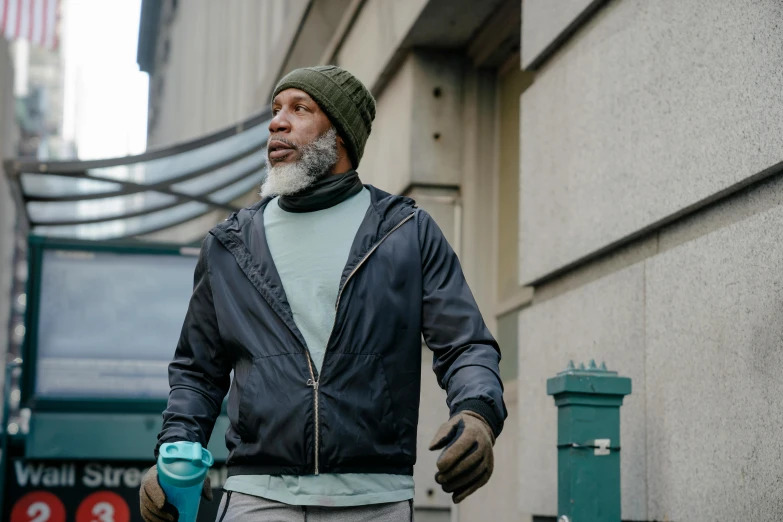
604	319
547	24
643	115
216	64
651	201
319	34
434	119
375	37
436	138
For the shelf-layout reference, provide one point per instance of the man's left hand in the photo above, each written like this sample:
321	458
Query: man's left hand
466	462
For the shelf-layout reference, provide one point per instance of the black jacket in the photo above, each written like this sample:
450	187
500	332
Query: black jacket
360	414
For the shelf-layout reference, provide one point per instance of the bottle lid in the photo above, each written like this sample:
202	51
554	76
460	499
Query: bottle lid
183	464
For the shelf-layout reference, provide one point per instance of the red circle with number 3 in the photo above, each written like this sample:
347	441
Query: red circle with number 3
38	506
103	506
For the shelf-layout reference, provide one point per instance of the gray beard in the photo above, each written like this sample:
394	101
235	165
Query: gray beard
317	159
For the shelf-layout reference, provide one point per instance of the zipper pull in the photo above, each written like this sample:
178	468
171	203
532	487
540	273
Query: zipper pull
313	384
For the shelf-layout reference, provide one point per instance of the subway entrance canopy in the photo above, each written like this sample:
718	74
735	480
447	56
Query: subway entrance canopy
139	196
105	256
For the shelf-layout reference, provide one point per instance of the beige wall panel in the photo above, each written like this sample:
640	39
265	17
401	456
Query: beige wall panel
319	29
417	136
714	332
285	27
497	501
651	108
243	103
544	21
432	413
387	156
604	320
215	79
509	107
224	59
183	90
374	37
443	207
479	189
437	112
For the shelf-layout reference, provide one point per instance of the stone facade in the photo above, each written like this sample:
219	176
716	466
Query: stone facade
215	64
650	205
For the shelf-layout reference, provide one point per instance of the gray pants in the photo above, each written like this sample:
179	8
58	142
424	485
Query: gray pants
237	507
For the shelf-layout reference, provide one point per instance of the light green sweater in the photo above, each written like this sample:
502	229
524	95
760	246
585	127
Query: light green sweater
310	250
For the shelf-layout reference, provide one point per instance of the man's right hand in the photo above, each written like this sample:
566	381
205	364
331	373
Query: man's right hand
152	499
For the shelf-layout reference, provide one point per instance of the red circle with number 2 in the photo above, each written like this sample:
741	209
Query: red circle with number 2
103	506
38	506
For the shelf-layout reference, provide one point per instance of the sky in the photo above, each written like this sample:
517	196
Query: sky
105	109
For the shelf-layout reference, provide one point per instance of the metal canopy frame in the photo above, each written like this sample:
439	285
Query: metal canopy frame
228	164
147	193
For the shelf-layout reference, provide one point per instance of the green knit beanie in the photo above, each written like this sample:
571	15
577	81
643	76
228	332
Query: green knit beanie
345	100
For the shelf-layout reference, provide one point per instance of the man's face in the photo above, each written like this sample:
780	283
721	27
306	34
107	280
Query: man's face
303	145
297	121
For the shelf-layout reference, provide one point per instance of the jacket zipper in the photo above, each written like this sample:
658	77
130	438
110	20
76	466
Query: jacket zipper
340	294
313	382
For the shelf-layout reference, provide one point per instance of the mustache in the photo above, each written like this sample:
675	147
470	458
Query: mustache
289	143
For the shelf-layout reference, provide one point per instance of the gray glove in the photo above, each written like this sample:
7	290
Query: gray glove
467	461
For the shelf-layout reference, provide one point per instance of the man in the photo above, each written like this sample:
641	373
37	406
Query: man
317	298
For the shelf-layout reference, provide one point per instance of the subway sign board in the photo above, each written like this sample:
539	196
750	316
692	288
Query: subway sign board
78	491
103	321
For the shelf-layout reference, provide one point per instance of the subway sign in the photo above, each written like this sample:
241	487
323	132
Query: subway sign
74	491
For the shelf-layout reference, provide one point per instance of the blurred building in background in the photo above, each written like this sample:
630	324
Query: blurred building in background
8	139
32	29
30	125
39	102
60	101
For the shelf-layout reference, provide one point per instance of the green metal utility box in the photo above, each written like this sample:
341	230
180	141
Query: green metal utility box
588	442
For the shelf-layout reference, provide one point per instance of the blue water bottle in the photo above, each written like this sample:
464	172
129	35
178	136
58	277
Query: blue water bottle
182	468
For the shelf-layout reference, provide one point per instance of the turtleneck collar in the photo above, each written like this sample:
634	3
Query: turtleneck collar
323	194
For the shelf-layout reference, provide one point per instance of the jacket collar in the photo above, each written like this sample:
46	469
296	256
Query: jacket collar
243	234
385	212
